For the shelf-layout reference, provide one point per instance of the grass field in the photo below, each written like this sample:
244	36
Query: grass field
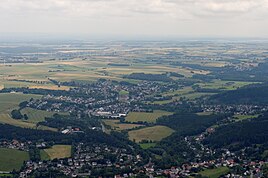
155	133
224	85
146	116
116	125
244	117
58	151
12	159
36	116
147	145
214	173
6	119
9	101
44	155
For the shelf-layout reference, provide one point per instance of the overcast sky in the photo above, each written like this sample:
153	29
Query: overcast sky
160	18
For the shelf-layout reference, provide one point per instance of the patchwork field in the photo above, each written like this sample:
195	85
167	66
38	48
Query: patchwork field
116	125
12	159
146	116
59	151
224	85
155	133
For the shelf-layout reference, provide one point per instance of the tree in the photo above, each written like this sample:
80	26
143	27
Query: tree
15	114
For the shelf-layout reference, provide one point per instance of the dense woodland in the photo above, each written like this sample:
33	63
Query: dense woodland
241	134
189	123
253	94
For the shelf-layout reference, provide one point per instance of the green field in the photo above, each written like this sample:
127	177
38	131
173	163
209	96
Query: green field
155	133
147	145
36	116
6	119
244	117
58	151
116	125
214	173
149	117
12	159
224	85
9	101
44	155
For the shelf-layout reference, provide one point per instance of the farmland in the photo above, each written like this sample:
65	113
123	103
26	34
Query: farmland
12	159
155	133
58	151
9	101
214	173
149	117
36	116
116	125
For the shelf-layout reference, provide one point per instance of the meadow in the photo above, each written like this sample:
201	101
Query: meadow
214	173
36	115
58	151
149	117
10	101
155	133
147	145
12	159
116	125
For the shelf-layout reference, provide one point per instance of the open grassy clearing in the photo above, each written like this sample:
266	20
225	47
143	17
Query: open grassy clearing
214	173
6	119
192	96
146	116
59	151
244	117
204	113
116	125
44	155
12	159
147	145
155	133
36	116
9	101
224	85
179	92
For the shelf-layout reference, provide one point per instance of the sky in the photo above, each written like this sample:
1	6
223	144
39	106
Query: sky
135	18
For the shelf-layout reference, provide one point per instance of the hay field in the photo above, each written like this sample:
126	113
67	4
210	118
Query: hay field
155	133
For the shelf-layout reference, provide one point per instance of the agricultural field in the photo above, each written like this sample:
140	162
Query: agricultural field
155	133
116	125
224	85
244	117
214	173
36	116
149	117
10	101
12	159
44	155
147	145
6	119
58	151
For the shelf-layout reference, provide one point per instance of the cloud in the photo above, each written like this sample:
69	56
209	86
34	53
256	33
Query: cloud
135	16
173	8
